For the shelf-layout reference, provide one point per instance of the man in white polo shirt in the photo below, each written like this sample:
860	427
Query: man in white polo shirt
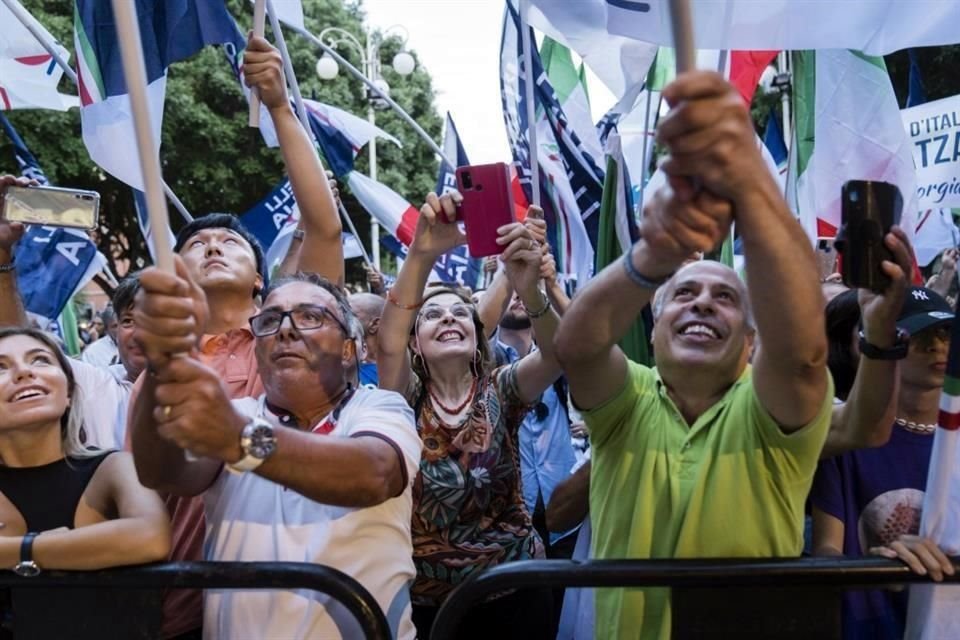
315	470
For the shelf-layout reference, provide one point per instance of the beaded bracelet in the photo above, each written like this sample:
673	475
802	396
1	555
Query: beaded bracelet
7	268
638	278
397	303
539	313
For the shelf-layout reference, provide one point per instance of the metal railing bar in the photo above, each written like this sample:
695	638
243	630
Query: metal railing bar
224	575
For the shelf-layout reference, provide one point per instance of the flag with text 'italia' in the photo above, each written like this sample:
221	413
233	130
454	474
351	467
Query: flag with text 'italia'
934	611
52	263
28	73
456	265
876	26
847	127
170	30
571	183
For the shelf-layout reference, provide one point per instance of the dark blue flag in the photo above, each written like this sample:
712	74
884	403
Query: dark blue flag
456	266
917	94
270	215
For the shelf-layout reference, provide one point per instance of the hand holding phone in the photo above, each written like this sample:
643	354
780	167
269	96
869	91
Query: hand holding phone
487	205
868	210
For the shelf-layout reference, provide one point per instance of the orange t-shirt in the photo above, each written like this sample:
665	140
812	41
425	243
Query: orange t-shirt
231	355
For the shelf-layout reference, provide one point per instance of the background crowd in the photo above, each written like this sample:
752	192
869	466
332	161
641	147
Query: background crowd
414	435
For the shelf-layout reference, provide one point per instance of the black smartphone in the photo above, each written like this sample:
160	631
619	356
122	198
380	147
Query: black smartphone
868	210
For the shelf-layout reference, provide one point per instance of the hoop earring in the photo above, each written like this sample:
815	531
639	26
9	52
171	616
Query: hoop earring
422	364
476	363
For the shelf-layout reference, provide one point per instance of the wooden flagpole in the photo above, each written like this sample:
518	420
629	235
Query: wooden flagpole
259	25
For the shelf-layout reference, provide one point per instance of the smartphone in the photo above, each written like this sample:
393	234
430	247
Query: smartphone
487	205
52	206
868	210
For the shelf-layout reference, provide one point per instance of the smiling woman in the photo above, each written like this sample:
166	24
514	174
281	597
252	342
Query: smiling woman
469	512
64	506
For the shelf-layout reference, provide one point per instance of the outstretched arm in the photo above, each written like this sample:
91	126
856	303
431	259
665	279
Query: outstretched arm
12	312
322	250
436	233
866	418
711	139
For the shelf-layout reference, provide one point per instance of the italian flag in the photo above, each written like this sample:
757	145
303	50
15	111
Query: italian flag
934	611
847	127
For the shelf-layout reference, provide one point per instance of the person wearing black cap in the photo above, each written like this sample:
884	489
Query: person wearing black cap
869	501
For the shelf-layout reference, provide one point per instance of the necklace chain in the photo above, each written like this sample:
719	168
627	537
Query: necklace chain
916	427
454	411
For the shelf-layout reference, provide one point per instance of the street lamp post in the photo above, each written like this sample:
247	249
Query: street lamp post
327	68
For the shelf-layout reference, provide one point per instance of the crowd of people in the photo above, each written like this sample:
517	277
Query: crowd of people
415	435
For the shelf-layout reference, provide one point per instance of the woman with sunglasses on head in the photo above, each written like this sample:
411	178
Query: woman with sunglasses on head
65	506
468	507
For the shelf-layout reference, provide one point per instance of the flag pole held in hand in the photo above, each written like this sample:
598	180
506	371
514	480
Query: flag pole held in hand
681	22
259	24
135	75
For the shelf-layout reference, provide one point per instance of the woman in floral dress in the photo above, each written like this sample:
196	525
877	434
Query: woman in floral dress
468	508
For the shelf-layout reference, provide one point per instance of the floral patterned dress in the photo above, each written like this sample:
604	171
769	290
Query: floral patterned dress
468	510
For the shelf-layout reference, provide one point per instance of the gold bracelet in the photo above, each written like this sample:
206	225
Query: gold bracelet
397	303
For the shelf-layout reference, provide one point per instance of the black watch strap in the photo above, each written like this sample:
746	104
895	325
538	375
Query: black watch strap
897	352
27	567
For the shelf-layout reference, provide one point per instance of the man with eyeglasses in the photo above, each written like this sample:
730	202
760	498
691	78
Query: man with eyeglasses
314	470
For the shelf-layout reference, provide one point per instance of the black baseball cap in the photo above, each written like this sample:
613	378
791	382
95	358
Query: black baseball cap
923	309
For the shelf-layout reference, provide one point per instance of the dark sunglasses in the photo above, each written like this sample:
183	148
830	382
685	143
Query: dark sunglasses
304	317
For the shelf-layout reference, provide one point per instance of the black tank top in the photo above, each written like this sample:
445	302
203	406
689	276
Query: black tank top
47	496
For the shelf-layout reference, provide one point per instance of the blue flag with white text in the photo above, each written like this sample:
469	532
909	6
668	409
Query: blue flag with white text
457	265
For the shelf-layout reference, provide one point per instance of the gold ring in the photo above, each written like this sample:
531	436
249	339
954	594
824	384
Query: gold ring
167	409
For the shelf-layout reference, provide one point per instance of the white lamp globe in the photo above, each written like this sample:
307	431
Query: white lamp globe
381	84
327	67
404	64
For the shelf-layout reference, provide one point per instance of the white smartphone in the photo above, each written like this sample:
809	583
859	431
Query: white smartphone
52	206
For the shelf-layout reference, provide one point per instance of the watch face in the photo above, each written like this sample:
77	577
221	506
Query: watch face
261	441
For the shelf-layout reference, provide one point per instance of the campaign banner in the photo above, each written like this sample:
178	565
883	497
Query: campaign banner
934	130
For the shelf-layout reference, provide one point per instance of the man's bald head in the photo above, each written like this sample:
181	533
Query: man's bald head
367	306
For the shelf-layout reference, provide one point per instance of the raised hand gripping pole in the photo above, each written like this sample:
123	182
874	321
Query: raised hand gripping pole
259	25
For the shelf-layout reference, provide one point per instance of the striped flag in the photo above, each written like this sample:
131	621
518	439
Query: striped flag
848	126
28	74
170	30
618	231
934	611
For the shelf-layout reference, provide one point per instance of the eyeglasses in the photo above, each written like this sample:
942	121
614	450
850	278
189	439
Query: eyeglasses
305	317
458	310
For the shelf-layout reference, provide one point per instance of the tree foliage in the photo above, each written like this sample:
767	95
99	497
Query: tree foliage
210	158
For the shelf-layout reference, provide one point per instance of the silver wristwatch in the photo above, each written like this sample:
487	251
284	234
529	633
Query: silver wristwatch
258	443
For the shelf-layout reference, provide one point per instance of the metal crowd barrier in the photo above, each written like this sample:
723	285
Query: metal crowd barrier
223	575
742	598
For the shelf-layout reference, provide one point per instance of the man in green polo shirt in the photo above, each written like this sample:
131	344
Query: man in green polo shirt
702	456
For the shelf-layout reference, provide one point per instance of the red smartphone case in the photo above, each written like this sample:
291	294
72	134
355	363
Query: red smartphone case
487	205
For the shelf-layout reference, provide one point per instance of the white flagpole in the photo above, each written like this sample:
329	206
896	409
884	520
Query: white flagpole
134	72
528	80
681	22
259	24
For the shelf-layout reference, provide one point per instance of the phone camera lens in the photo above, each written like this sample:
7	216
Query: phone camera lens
854	196
467	180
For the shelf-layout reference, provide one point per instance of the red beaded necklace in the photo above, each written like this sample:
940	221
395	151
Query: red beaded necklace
458	409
